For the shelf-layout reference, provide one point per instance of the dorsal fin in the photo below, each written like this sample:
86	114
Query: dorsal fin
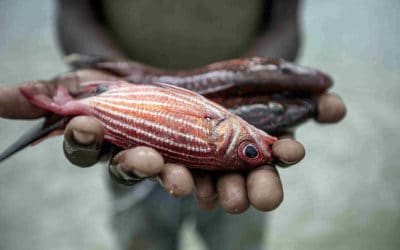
78	61
212	110
176	89
117	66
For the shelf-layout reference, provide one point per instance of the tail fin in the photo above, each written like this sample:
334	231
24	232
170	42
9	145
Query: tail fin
34	135
59	102
35	94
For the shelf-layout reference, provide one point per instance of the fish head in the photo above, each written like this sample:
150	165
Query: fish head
239	145
287	71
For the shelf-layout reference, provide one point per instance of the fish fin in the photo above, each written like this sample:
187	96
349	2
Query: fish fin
98	87
79	61
35	95
44	129
115	66
49	135
62	103
42	101
270	139
177	89
214	113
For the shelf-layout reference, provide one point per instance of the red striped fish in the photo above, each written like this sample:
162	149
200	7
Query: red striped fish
183	126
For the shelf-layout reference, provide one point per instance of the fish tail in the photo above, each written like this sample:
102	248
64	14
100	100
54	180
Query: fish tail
60	102
41	131
35	94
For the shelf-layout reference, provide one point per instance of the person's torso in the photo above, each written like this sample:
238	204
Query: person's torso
183	33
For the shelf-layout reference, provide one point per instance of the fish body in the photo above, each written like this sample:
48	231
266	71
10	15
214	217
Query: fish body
183	126
235	77
249	87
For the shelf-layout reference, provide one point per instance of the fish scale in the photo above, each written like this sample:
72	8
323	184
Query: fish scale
141	125
247	86
184	142
192	131
183	126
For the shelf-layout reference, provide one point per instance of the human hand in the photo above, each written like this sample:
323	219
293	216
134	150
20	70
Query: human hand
235	191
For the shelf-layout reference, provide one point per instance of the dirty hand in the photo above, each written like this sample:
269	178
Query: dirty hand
235	191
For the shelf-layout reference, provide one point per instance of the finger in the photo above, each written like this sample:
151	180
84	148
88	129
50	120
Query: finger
14	105
131	166
83	138
287	152
176	180
264	188
331	108
232	193
121	176
205	191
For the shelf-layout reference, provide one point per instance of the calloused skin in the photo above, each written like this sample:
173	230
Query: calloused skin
234	191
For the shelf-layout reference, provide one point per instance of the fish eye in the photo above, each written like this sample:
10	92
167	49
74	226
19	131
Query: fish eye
100	89
250	151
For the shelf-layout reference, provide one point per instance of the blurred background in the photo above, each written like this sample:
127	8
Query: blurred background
344	195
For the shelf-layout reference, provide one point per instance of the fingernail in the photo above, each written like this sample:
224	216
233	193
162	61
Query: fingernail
83	138
121	176
81	149
139	174
134	162
283	163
